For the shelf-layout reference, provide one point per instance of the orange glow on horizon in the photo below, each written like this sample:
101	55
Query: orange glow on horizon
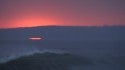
31	21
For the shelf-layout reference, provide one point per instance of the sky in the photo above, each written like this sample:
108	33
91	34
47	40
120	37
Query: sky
29	13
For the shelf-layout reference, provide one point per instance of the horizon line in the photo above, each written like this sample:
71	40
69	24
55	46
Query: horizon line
63	26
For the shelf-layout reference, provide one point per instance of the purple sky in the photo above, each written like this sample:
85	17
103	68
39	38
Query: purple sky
26	13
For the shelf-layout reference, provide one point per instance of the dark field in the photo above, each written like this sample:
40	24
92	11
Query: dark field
98	55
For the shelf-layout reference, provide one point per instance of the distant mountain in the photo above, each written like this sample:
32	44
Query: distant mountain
43	61
65	33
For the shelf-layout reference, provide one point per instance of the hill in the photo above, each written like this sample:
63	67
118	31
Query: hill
43	61
65	33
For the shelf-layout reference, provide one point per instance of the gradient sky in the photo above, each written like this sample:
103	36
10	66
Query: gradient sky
26	13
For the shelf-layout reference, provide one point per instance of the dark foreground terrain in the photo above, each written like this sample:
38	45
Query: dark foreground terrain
43	61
